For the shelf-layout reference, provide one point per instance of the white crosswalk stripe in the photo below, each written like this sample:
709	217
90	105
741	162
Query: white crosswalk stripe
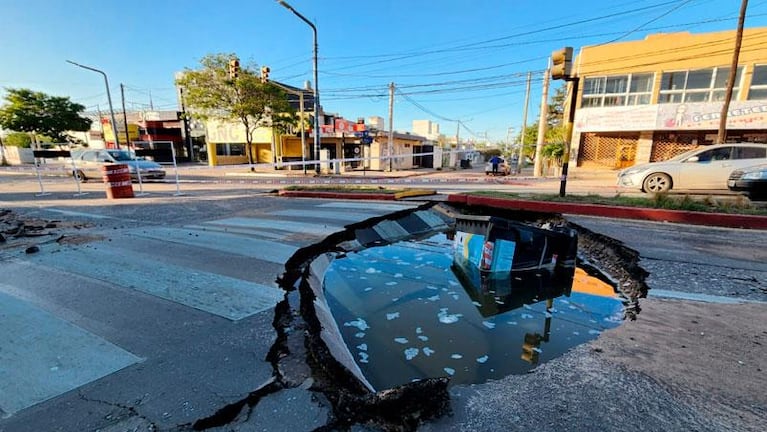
64	356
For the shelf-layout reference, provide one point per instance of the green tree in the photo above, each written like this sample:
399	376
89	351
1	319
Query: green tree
555	127
210	92
38	113
556	107
18	139
554	151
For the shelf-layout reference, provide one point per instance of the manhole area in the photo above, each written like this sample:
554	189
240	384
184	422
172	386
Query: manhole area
411	310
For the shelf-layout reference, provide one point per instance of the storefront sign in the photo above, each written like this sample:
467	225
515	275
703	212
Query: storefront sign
233	132
343	125
616	119
672	117
695	116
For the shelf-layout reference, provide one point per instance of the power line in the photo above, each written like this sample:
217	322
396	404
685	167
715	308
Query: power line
527	33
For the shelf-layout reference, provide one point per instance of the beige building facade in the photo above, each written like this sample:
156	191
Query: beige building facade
652	99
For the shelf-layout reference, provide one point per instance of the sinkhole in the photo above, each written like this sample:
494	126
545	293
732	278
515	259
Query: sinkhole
477	299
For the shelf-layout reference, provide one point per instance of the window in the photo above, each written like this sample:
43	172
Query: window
619	90
237	149
758	90
749	153
717	154
90	156
230	149
701	85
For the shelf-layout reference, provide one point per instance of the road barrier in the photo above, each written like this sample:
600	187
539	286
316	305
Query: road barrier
118	181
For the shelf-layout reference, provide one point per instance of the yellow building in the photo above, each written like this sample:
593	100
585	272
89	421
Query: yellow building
226	143
651	99
341	148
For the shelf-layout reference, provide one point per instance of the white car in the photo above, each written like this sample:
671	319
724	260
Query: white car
706	167
89	165
504	168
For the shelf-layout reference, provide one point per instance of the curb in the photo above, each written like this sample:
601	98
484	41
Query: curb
339	195
657	215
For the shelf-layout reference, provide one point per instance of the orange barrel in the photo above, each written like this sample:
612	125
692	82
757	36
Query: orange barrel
118	181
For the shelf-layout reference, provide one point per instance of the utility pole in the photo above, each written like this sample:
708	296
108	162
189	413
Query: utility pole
722	135
457	136
391	125
187	128
101	125
125	118
524	125
3	161
542	123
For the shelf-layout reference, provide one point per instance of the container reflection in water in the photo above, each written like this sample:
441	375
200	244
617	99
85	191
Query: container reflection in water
408	311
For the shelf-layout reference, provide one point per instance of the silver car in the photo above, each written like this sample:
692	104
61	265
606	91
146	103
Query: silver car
90	162
706	167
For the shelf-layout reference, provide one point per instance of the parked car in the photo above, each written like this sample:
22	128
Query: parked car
751	180
90	162
503	168
706	167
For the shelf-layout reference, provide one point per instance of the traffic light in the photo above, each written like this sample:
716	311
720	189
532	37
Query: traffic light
234	68
265	74
561	64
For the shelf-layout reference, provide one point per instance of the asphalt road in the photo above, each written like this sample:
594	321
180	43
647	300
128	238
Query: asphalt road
152	356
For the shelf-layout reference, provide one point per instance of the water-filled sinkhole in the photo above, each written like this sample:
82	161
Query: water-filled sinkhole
412	310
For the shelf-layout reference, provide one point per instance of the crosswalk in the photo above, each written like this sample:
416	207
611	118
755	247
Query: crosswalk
224	268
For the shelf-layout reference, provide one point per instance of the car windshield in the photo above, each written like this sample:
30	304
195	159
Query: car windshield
685	155
120	155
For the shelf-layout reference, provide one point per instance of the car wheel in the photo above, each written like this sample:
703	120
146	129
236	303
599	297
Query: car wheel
80	176
656	183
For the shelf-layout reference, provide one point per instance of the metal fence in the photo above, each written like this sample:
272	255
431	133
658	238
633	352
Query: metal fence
607	151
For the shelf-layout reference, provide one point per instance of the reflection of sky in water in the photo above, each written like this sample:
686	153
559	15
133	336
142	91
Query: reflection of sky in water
404	315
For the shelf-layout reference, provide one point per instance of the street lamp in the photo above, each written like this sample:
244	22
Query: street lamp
109	98
316	85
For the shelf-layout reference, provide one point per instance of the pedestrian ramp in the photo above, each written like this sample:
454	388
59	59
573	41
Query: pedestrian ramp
43	356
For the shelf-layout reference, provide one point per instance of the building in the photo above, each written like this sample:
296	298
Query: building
652	99
426	128
342	147
376	123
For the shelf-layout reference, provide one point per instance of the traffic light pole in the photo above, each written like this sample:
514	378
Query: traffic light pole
569	138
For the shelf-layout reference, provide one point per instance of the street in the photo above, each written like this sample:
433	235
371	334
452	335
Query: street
156	313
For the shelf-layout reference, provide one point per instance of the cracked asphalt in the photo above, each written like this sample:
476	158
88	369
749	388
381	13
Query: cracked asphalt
681	365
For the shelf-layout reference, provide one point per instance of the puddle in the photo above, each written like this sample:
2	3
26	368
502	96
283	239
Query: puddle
411	310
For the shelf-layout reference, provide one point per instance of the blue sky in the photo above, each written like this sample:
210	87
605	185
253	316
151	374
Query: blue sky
452	59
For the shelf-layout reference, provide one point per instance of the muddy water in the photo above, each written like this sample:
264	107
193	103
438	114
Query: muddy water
408	311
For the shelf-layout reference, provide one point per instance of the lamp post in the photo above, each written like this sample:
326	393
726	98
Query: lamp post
316	85
109	98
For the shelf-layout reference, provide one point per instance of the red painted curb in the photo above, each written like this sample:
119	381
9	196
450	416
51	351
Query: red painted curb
659	215
338	195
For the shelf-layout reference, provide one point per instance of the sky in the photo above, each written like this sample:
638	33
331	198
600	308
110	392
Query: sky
452	61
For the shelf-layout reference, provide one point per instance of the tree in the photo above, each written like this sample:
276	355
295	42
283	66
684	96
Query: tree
41	114
210	92
556	108
18	139
555	128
